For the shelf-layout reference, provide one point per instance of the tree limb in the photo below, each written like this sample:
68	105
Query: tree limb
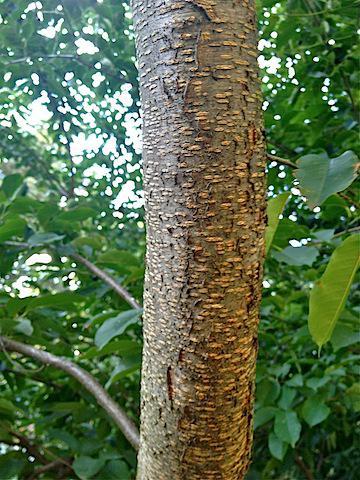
283	161
303	467
126	425
34	450
349	230
55	465
120	290
24	442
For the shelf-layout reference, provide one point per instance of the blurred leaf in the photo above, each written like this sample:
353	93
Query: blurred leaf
115	326
11	183
314	411
328	297
320	176
289	230
267	391
77	214
324	235
264	415
297	256
44	238
353	393
120	347
86	467
296	381
24	326
119	258
115	470
287	397
7	407
277	447
57	300
67	407
317	382
125	366
275	206
65	437
11	465
343	336
287	426
13	227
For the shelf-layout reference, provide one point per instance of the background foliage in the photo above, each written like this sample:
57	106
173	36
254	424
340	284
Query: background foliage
71	182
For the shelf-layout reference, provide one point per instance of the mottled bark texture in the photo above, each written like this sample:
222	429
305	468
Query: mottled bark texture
204	162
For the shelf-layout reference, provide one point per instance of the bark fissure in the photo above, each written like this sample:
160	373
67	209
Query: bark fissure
204	161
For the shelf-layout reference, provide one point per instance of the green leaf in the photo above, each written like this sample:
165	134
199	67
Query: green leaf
333	208
264	415
7	407
95	241
296	381
324	235
125	367
77	214
353	393
44	238
63	300
343	336
24	326
13	227
120	347
289	230
68	440
314	411
287	426
11	183
89	447
86	467
287	397
115	326
297	256
120	258
11	465
317	382
320	176
274	208
276	446
67	407
267	391
328	297
115	470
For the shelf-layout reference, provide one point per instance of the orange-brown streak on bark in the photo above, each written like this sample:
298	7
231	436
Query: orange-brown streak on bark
204	162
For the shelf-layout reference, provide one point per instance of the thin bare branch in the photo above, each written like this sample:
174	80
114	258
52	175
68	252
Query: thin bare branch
30	447
349	230
120	290
55	465
282	161
124	423
303	467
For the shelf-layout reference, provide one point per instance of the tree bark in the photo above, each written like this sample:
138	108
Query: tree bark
204	162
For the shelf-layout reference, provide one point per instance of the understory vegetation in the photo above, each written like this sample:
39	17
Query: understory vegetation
72	221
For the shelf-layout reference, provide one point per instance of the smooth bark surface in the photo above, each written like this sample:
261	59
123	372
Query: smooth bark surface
204	162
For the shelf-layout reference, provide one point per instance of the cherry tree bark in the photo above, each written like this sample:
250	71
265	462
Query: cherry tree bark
204	181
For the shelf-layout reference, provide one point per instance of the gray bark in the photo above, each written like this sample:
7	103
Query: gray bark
204	181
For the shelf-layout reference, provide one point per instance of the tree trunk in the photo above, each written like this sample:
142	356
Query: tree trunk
204	181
